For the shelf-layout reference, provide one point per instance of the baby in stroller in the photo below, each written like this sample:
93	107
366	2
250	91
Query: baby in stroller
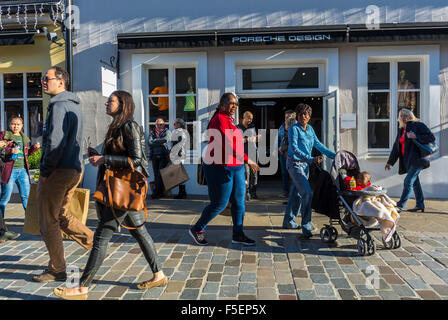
378	209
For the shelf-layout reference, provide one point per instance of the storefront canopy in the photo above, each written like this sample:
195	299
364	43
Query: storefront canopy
16	37
298	35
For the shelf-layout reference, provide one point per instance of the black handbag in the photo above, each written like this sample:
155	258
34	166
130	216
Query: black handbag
426	149
202	181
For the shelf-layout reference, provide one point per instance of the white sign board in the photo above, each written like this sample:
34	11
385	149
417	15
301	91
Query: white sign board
348	121
109	81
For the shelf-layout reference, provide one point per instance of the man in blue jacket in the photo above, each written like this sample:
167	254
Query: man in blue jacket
301	140
60	173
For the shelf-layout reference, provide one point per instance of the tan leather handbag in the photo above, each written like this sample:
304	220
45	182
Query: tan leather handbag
123	189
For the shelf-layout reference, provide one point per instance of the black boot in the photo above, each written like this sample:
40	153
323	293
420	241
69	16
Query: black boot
182	193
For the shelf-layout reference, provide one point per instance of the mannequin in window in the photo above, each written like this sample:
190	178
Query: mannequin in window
405	99
162	102
190	104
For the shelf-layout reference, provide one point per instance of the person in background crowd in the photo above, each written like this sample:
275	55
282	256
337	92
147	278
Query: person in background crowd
282	158
410	159
224	172
159	150
250	139
302	139
124	140
61	170
180	136
15	169
4	234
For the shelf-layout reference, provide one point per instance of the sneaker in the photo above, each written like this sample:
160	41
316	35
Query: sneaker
198	237
8	235
243	240
50	276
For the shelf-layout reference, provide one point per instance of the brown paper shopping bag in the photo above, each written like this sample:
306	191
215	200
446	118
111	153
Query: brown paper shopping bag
173	175
79	207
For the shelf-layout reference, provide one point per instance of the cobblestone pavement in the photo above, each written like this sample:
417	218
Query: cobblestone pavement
279	267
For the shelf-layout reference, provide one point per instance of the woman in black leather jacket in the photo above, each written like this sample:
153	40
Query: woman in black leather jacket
124	139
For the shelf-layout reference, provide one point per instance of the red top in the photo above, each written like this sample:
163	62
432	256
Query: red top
402	141
228	147
358	187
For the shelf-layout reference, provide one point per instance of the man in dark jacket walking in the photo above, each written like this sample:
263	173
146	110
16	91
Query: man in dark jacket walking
159	150
60	173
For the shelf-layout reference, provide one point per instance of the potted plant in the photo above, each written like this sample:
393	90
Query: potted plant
34	162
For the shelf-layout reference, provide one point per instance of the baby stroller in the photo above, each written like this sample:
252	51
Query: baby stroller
355	226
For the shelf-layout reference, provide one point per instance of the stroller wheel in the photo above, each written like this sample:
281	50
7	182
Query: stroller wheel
371	247
390	244
362	247
334	234
326	234
397	240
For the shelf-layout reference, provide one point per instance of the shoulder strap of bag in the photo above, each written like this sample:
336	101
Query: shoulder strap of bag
111	203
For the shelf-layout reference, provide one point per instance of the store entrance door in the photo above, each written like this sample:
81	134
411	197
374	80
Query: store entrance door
269	113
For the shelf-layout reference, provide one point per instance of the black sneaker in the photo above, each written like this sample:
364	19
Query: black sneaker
243	240
198	238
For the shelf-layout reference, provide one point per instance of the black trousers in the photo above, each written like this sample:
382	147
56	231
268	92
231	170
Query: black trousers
106	227
157	164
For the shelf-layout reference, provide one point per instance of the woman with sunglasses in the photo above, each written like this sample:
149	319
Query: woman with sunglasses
225	172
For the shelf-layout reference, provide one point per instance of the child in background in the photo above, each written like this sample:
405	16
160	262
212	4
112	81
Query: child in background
362	181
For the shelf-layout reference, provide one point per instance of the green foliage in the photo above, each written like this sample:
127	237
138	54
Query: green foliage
34	160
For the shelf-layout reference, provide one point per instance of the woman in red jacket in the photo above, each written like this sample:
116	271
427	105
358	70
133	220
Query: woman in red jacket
15	169
223	166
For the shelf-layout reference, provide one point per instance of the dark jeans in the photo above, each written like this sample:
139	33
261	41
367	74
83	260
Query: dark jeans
252	179
106	228
412	182
157	164
224	184
285	174
2	227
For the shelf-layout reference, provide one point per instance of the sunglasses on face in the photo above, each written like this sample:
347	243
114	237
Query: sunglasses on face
46	79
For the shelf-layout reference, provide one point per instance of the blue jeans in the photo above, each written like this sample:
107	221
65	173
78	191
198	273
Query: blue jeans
224	184
22	180
300	196
412	182
285	174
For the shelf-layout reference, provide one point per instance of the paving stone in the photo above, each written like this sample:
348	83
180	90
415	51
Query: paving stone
208	297
265	282
205	256
442	274
214	277
174	286
283	277
198	273
231	270
193	283
396	264
347	294
228	291
229	280
410	261
406	274
417	284
295	256
340	283
319	278
324	290
316	269
180	276
335	273
433	265
440	289
188	259
189	294
350	269
233	262
403	290
248	277
280	257
296	273
247	288
155	293
344	260
306	294
249	259
266	294
215	267
330	264
265	263
211	287
363	290
428	295
185	267
221	259
285	289
313	261
388	295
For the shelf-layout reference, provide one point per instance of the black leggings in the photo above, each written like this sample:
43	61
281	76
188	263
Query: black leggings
106	227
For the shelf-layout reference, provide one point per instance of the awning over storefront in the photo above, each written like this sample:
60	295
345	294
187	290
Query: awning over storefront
293	36
16	37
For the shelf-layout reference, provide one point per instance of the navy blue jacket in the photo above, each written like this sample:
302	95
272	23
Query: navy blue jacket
412	156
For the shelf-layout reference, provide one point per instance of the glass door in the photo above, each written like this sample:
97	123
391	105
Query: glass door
330	130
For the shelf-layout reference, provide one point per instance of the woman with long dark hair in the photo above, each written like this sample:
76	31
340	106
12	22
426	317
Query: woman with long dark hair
411	161
224	171
123	139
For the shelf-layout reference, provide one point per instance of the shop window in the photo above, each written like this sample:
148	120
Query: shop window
280	78
21	96
387	80
172	94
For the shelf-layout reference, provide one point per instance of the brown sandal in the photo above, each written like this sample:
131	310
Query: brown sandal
152	284
62	293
